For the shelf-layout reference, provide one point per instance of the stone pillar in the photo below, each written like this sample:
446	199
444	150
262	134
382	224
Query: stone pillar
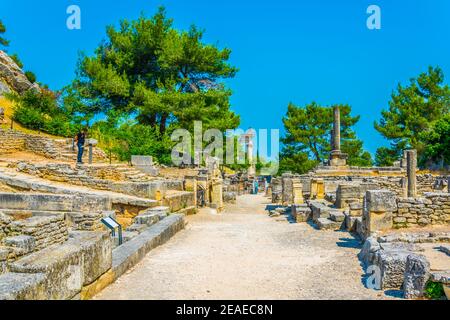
379	206
411	168
288	194
336	129
297	188
190	184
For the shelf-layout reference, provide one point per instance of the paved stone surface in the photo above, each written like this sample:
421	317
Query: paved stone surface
245	254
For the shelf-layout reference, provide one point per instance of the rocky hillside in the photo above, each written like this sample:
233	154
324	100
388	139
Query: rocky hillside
12	78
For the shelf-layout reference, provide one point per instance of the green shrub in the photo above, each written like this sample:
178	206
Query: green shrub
30	76
39	111
434	290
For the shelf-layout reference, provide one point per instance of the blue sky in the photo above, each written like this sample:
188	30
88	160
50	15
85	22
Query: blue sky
287	50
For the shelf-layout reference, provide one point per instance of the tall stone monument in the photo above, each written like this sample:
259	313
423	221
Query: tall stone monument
337	158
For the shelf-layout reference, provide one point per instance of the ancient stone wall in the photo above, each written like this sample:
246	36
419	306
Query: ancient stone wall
432	209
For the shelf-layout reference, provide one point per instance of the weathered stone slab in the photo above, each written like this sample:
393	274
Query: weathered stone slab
141	160
350	223
327	224
26	243
69	266
417	273
133	251
96	249
337	216
368	251
22	286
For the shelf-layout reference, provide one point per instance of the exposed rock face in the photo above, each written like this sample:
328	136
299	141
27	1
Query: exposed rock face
12	77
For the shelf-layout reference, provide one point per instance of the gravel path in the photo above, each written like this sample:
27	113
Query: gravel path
244	254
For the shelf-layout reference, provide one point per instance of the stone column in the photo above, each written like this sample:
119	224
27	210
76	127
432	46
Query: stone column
411	167
337	129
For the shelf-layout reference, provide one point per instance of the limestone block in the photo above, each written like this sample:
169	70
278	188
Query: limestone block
229	196
301	213
26	243
141	160
417	273
22	286
67	267
392	266
378	221
337	216
327	224
381	201
96	250
297	188
368	251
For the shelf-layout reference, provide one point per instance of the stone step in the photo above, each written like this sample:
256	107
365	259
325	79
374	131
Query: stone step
327	224
337	216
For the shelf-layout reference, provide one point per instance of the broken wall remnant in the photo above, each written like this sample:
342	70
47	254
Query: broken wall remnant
379	208
411	168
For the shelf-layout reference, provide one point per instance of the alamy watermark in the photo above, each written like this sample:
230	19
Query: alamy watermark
374	20
234	146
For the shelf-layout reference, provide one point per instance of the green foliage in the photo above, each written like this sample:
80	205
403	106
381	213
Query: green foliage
434	290
413	109
308	135
295	161
159	75
39	111
30	76
3	41
385	157
437	141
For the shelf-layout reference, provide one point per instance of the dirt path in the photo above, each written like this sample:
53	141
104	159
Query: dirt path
244	254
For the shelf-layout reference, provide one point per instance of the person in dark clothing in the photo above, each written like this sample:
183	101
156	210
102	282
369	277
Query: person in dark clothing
80	140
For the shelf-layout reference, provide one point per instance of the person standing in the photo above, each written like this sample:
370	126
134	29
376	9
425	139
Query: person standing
80	139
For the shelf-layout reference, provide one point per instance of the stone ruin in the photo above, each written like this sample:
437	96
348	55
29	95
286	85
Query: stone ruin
395	212
53	243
